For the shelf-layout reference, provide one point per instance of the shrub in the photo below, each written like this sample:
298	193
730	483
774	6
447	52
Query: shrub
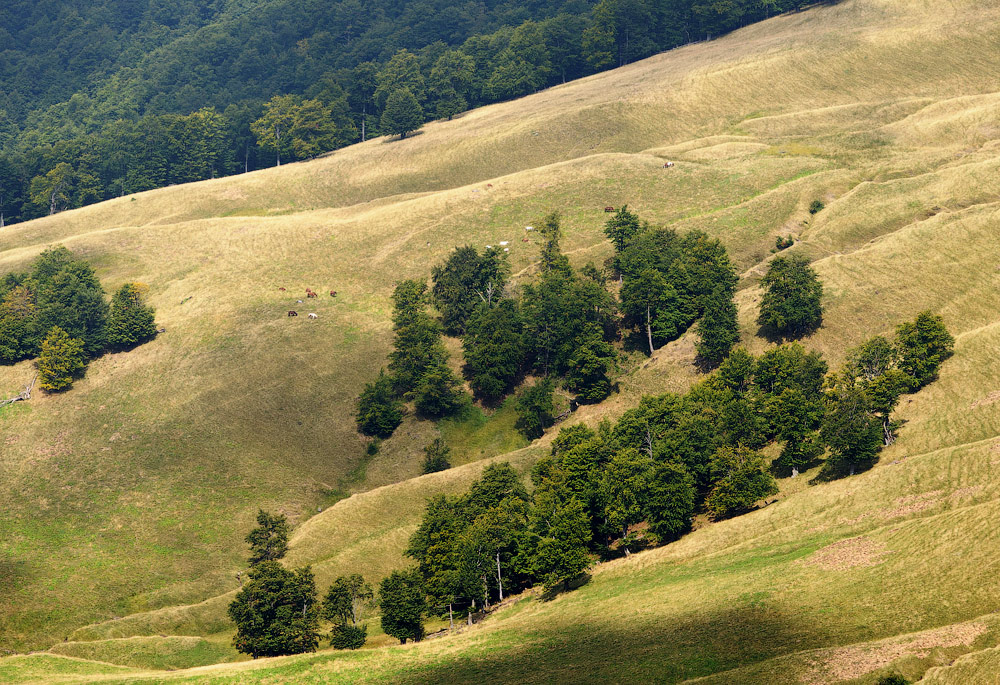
436	457
346	636
816	206
130	321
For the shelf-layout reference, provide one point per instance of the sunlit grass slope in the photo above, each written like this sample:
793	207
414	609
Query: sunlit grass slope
125	500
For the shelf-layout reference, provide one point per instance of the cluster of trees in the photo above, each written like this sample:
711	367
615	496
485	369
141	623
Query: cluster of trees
660	464
57	311
277	611
125	110
563	325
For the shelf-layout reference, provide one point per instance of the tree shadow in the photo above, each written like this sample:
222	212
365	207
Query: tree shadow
773	335
645	647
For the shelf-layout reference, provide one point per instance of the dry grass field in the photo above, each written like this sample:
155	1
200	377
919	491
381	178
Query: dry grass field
126	499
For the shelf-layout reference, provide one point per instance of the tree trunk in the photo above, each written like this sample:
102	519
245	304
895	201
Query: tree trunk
887	431
364	117
451	618
402	640
486	594
649	330
795	472
499	581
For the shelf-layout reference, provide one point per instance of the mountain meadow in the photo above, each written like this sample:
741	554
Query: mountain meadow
864	135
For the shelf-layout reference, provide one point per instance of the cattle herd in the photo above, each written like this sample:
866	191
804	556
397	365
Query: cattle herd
309	293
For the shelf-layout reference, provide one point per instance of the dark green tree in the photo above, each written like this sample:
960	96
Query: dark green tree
671	500
622	227
739	481
560	534
378	410
922	346
535	409
588	371
401	598
344	607
624	492
402	114
466	281
269	540
276	612
401	72
439	391
718	329
652	305
436	456
791	305
850	428
17	324
494	349
130	321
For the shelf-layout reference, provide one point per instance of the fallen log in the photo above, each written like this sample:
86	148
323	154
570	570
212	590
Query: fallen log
23	396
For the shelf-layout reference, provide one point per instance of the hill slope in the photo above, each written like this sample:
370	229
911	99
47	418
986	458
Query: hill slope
128	495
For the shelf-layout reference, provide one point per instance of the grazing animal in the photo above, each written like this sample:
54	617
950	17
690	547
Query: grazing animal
310	293
313	316
281	289
525	240
298	301
292	312
333	293
609	208
489	185
668	165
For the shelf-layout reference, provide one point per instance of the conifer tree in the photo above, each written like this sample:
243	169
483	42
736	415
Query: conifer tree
130	321
62	360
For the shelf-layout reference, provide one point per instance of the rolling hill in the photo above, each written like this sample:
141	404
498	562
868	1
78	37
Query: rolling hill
126	499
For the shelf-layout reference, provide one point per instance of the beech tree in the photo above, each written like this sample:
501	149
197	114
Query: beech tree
718	329
269	540
274	128
922	346
791	304
378	412
436	456
402	114
343	605
740	481
622	227
276	612
493	347
535	409
401	598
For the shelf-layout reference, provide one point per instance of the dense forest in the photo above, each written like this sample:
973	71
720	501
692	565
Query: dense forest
104	99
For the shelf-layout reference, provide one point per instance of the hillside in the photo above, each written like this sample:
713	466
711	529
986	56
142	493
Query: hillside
129	495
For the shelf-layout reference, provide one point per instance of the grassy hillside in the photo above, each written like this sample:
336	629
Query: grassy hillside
127	498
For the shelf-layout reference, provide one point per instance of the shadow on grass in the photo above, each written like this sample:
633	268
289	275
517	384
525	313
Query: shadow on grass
647	649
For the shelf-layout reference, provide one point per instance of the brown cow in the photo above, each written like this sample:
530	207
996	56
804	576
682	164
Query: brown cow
292	313
333	293
280	288
609	208
310	293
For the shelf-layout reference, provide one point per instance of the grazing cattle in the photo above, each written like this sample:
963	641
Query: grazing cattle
668	165
292	313
298	301
489	185
525	240
313	316
310	293
609	208
333	293
281	289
